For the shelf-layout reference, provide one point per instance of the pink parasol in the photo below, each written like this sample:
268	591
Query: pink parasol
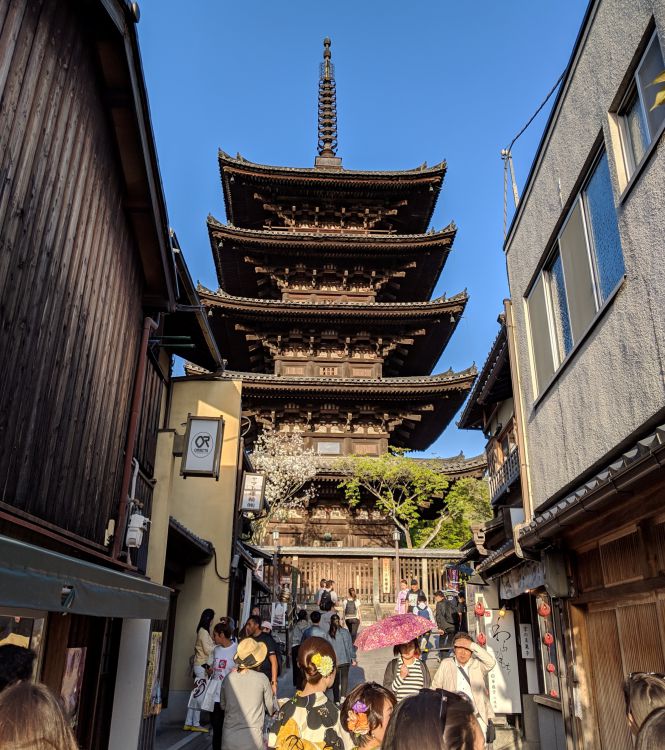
392	631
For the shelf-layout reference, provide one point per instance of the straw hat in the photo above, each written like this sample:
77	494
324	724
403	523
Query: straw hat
250	654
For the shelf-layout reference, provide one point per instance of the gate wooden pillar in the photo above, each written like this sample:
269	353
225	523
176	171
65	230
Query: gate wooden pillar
376	573
425	577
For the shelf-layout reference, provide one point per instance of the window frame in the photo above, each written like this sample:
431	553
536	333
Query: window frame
630	166
560	358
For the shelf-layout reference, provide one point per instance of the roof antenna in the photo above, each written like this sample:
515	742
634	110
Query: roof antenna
327	144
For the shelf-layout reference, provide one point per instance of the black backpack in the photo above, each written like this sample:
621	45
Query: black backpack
325	602
351	608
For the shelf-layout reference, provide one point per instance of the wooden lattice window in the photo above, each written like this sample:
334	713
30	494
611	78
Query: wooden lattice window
329	371
622	559
294	369
589	570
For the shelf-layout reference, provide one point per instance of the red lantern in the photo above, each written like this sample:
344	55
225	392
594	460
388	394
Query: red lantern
544	610
550	668
554	693
482	639
479	609
548	639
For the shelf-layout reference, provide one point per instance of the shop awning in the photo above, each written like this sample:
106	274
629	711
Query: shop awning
36	578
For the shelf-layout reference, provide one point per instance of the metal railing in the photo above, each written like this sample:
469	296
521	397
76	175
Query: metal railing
501	480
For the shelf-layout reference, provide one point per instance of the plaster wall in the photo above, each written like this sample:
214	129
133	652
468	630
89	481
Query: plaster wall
613	383
201	504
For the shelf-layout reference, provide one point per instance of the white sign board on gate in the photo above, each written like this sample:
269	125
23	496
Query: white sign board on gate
504	682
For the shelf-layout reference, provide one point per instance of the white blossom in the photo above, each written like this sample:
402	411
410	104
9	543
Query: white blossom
289	468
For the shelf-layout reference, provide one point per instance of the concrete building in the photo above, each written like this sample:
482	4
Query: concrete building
586	274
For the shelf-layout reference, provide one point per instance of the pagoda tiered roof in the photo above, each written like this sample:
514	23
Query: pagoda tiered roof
250	188
419	406
416	333
417	259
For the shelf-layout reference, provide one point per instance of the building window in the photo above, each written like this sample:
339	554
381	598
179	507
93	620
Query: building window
583	269
639	123
328	371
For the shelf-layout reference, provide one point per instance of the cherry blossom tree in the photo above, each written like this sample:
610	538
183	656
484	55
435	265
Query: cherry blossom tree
290	468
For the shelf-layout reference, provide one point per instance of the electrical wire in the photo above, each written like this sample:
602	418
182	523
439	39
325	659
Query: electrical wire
221	577
507	156
537	112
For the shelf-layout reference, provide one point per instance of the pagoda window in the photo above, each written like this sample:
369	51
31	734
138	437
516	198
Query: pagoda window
294	369
362	372
329	371
328	447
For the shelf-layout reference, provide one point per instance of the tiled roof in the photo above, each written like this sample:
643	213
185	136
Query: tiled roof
288	382
504	551
422	170
322	238
379	308
495	359
556	516
456	464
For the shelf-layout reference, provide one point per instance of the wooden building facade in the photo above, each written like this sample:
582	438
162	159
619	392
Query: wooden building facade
87	275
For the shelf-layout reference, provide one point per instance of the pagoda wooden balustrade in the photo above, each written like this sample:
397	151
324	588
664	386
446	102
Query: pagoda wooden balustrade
501	480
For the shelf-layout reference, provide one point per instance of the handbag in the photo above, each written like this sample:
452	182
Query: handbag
491	732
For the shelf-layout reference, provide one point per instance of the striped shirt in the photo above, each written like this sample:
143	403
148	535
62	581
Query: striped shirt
412	683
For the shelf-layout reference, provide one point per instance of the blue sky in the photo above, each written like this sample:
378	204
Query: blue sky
419	81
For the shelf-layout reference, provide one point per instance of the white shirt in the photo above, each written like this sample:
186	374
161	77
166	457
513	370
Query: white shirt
463	685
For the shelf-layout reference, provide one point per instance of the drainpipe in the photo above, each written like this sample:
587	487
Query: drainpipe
519	412
149	325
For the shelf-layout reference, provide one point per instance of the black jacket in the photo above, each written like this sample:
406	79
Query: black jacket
445	616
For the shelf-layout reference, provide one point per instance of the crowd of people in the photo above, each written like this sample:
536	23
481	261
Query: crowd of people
235	680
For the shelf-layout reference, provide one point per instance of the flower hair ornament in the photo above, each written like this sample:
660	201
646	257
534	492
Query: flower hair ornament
324	664
357	720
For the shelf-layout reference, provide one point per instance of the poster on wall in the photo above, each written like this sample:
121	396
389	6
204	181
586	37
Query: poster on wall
152	698
203	447
503	680
72	680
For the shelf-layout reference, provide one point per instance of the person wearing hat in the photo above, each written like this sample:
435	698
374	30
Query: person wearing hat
246	697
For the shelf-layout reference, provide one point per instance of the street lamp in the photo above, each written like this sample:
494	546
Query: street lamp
396	538
275	564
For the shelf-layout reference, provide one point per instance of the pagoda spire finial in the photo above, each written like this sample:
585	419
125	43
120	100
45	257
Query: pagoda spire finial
327	145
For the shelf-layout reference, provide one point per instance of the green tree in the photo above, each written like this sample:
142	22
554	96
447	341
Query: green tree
466	503
402	488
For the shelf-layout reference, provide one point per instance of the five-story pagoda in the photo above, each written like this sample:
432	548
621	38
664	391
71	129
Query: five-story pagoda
324	312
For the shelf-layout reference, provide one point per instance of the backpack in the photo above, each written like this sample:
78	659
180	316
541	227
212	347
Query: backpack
351	608
325	602
422	612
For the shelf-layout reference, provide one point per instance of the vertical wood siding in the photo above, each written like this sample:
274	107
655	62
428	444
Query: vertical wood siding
70	279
